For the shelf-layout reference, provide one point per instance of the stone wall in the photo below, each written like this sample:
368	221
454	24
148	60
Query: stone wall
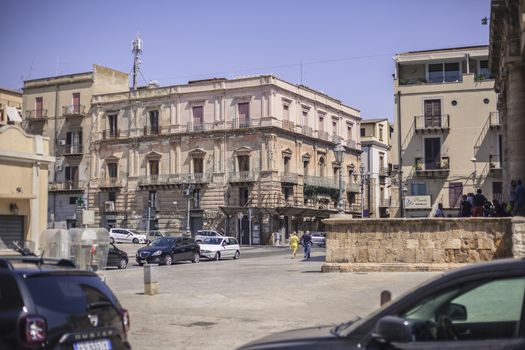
417	244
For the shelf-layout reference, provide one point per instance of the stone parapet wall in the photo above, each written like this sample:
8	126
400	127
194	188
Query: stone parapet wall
418	244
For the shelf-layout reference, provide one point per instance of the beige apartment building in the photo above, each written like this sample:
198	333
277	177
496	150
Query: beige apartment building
507	63
376	167
24	164
60	108
10	99
249	156
451	135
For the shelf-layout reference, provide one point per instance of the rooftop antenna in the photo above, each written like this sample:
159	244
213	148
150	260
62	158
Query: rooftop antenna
137	50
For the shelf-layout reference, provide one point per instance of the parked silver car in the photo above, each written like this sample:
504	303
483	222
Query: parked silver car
318	238
202	234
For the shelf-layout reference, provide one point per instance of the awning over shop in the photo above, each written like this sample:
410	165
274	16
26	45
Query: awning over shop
12	114
305	212
286	211
234	211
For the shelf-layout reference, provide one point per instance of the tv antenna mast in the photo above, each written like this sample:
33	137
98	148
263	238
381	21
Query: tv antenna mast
137	50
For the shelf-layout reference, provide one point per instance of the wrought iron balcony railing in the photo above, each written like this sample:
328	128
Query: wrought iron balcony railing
432	123
244	176
440	165
74	110
36	114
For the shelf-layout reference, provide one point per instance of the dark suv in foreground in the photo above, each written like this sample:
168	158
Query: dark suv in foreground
49	304
476	307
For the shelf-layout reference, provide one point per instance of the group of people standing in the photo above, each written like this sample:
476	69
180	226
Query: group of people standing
477	205
305	240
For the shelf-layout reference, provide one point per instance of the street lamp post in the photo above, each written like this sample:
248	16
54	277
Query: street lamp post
188	191
339	152
364	179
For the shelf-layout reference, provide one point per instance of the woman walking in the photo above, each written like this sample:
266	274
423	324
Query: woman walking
294	243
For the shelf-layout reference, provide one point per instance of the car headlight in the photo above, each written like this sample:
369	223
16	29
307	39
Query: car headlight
157	253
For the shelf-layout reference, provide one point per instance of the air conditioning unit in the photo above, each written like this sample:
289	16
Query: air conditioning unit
109	206
62	142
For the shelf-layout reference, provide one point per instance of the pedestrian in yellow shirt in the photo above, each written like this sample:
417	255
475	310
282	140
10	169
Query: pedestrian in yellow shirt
294	243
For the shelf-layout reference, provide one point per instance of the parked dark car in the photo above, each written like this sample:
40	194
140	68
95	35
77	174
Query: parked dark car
117	257
49	304
476	307
166	250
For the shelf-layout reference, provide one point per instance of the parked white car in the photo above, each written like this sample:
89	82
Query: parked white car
220	247
202	234
126	235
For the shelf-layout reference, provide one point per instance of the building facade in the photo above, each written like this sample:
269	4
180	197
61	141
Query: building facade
507	64
59	108
376	166
249	156
450	131
9	99
24	164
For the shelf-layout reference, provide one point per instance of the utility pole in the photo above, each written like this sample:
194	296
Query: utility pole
400	174
137	50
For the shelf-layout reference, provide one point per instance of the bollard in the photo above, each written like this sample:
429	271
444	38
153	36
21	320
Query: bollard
151	285
386	296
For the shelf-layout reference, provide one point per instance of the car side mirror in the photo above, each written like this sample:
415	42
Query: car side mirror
393	329
456	312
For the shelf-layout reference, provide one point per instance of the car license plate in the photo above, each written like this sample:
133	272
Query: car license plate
103	344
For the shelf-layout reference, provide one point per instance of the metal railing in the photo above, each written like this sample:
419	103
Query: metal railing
353	187
336	138
308	131
151	130
36	114
352	144
291	178
323	181
440	165
244	176
118	134
288	125
422	122
111	182
162	179
74	110
323	135
66	185
71	149
154	130
198	178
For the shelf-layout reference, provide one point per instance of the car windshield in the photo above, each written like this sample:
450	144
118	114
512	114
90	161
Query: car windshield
212	240
133	232
162	242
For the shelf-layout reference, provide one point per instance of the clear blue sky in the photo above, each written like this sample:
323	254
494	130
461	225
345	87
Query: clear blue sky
185	40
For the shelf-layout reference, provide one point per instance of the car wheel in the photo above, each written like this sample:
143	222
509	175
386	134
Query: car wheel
135	240
237	255
168	260
123	263
141	263
198	242
217	256
196	258
111	240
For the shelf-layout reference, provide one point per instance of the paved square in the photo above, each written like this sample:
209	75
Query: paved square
224	304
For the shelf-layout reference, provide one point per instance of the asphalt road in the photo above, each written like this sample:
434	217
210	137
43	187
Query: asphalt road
224	304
